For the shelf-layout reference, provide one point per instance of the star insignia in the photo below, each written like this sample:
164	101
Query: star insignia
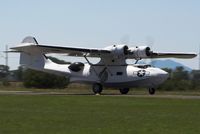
141	73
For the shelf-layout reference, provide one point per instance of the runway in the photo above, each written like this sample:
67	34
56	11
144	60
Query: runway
57	93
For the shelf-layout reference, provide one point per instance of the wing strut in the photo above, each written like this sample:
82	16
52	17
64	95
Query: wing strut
136	61
101	73
90	64
106	66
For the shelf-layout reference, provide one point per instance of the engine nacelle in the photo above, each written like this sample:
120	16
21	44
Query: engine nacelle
140	52
120	50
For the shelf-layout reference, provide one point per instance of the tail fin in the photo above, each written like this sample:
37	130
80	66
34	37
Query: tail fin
32	60
30	39
30	55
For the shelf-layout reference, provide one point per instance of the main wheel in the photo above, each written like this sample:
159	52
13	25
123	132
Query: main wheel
152	91
124	90
97	88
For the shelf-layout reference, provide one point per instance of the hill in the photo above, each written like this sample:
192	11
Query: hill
168	64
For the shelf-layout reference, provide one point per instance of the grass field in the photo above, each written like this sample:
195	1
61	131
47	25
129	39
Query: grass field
43	114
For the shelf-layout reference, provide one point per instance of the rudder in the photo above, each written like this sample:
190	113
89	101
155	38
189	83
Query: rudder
32	60
31	56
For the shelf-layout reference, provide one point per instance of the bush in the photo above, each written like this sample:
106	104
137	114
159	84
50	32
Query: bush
37	79
5	83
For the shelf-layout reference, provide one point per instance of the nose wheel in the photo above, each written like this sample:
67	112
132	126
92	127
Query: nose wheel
152	91
97	88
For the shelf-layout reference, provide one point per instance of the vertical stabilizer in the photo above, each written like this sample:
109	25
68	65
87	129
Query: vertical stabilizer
30	39
32	60
31	56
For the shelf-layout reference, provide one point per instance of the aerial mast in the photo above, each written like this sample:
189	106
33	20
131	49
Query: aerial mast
199	56
6	57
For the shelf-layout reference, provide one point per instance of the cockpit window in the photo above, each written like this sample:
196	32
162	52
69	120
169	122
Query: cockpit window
143	66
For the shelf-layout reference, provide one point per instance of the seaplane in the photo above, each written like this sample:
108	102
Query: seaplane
112	70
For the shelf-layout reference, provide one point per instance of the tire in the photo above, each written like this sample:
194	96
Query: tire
97	88
124	90
152	91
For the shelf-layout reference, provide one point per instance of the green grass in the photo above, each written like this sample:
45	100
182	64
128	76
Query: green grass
44	114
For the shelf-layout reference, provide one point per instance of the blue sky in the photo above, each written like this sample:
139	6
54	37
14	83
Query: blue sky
173	25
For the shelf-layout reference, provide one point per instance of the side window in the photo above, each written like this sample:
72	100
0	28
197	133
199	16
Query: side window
119	73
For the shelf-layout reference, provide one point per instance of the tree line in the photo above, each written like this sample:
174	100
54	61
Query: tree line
35	79
180	79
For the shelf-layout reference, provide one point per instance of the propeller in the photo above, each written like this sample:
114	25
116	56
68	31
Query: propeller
150	42
125	39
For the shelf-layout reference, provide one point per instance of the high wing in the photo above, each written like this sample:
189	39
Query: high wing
110	53
173	55
68	51
144	52
93	52
30	45
73	51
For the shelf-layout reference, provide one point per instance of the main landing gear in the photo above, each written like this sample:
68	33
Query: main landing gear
152	91
124	90
97	88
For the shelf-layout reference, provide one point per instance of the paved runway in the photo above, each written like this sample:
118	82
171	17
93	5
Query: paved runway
71	94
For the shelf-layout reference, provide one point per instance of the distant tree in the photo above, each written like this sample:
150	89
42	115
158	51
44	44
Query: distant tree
195	77
179	80
18	74
168	85
180	74
5	82
4	70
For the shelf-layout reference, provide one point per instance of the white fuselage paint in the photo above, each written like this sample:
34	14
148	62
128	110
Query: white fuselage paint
113	76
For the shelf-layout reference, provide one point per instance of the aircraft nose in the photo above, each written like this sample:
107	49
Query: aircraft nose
158	76
163	75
